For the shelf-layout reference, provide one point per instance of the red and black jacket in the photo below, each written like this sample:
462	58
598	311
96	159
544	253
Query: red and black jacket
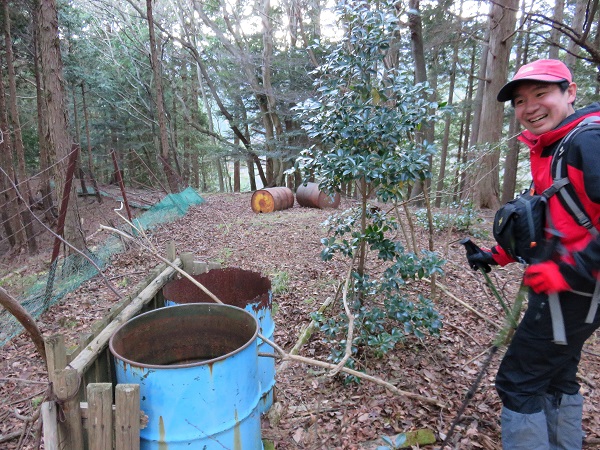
583	169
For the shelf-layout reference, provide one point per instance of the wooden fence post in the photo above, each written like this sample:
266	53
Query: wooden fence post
200	267
171	251
49	421
187	262
127	420
100	416
66	387
214	265
56	354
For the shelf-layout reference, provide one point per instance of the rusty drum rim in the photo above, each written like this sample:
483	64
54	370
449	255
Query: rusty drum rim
211	361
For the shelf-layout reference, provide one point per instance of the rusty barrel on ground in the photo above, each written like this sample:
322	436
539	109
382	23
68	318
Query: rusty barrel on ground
242	288
272	199
197	367
309	195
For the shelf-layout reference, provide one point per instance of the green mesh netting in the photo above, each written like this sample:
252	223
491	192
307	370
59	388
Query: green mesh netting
69	273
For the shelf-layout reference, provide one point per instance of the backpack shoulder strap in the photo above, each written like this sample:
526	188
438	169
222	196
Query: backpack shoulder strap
561	184
568	197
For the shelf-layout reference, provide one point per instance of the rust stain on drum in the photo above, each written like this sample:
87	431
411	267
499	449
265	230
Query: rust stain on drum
233	286
162	445
272	199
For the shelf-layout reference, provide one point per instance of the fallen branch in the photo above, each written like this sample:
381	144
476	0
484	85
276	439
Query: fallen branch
306	333
32	418
28	397
22	380
121	275
313	362
350	335
10	437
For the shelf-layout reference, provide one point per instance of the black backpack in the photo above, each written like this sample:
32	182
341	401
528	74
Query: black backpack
520	225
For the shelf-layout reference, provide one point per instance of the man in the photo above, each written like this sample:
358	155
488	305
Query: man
542	406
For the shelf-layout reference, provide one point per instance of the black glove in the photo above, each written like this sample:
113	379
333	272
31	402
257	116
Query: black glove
478	258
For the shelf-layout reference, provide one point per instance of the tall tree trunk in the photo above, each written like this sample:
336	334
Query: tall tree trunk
173	179
24	185
236	175
196	113
46	168
502	23
11	211
555	33
6	212
271	122
90	159
241	107
447	123
58	135
577	27
418	53
220	175
461	174
480	92
227	175
78	170
185	129
13	108
511	162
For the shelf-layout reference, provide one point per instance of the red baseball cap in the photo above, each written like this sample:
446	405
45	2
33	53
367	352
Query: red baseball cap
549	70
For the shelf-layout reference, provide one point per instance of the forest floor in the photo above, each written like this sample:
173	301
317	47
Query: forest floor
315	410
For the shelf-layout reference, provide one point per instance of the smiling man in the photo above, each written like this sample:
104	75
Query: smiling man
542	406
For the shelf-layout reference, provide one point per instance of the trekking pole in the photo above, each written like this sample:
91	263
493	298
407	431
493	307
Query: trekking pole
503	337
472	248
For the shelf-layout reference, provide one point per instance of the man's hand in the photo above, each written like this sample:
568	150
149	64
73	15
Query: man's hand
482	258
545	278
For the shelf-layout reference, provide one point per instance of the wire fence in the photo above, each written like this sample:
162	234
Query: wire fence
66	274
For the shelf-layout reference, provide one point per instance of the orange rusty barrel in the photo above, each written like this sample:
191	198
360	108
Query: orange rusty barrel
272	199
310	196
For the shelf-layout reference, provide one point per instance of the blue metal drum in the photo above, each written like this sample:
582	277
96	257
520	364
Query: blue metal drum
197	367
242	288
